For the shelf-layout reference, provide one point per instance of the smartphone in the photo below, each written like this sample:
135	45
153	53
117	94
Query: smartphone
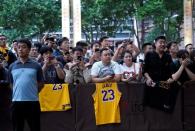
79	58
51	58
112	75
141	61
96	50
125	75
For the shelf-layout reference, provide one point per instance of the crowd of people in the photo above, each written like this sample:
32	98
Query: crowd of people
102	61
27	66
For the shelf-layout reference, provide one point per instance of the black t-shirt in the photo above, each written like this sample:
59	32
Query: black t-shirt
3	76
12	57
184	76
159	69
50	75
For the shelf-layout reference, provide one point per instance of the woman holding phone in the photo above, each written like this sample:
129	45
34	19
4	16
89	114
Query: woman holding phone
130	71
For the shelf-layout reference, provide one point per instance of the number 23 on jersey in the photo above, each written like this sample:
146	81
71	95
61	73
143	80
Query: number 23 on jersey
106	103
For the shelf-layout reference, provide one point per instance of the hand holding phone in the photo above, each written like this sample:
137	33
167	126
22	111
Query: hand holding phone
50	58
79	58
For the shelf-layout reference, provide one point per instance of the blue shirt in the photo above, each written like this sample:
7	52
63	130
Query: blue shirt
25	78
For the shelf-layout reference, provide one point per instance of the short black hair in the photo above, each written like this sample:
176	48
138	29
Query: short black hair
103	49
77	49
128	41
50	39
160	37
127	51
60	41
25	41
93	43
66	53
170	44
146	44
118	43
45	49
15	41
103	38
81	44
188	45
181	53
38	45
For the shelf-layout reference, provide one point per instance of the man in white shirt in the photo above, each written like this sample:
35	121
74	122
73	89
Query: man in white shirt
105	70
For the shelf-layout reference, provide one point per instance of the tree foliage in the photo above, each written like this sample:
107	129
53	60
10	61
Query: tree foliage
167	17
104	16
109	15
22	18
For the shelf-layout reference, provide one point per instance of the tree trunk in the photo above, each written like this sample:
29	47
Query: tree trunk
142	33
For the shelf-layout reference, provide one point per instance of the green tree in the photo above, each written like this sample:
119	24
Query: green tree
167	18
105	17
19	18
23	18
108	16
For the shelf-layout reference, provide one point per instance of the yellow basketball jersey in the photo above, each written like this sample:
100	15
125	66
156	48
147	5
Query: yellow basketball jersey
54	97
106	103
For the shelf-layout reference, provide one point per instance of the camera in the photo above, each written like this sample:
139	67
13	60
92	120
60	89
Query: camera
141	61
79	58
126	75
96	50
